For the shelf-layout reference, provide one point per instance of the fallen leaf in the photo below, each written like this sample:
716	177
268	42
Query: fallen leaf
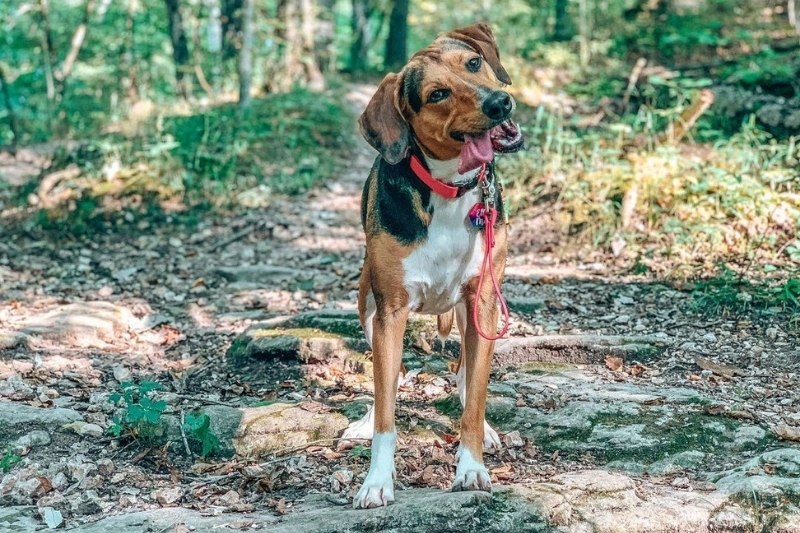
504	469
720	369
614	363
637	370
787	432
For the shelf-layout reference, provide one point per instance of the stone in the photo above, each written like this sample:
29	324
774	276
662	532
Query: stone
93	324
513	439
168	495
18	519
601	502
260	274
85	429
19	417
35	438
748	437
679	462
52	517
14	388
282	425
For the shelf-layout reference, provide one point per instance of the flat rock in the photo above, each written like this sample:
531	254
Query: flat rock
261	273
84	324
19	519
16	418
283	425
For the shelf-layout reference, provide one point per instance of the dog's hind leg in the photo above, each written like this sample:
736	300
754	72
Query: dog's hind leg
491	440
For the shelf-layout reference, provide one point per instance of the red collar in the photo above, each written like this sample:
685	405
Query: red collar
439	187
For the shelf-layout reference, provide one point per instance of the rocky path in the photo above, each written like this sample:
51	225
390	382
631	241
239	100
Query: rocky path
620	408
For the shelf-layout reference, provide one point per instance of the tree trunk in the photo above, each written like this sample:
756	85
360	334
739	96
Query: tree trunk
362	36
130	82
180	47
325	33
295	34
561	28
48	51
12	118
231	27
78	38
245	55
397	40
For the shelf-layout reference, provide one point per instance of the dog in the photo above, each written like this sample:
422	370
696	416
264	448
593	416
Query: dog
427	207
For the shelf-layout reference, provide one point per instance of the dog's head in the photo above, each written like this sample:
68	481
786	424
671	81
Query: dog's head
449	98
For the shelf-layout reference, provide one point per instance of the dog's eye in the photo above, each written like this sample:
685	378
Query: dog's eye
438	95
474	64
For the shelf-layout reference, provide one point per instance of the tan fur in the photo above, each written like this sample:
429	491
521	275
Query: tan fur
444	323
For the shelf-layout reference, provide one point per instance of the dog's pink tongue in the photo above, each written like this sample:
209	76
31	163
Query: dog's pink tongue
475	152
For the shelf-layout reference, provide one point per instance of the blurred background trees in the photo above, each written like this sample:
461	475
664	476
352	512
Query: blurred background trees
648	121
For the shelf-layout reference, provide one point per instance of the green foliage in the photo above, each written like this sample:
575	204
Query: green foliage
141	416
198	426
360	451
731	294
8	460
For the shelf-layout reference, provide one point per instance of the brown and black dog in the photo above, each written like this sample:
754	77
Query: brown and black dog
446	112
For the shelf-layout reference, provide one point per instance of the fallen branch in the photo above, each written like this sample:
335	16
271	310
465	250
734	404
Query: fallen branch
678	129
633	79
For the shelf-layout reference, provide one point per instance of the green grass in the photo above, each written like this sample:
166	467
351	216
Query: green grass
732	294
179	164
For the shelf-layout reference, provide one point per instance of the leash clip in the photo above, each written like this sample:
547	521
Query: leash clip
488	188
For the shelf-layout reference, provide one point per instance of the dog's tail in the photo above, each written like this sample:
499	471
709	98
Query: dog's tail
444	323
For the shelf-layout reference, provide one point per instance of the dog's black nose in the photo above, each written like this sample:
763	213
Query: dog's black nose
497	105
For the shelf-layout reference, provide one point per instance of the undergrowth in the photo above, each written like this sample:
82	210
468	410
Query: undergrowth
177	164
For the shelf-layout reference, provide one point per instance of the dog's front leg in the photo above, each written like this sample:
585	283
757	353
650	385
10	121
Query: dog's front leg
389	326
471	474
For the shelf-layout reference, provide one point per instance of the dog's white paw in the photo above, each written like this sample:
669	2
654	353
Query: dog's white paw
491	440
378	487
470	473
377	491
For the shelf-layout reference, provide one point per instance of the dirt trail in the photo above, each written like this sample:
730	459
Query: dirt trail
663	409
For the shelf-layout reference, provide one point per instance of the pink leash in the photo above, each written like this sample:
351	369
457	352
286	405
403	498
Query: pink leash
490	218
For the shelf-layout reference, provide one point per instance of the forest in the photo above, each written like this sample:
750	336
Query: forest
180	249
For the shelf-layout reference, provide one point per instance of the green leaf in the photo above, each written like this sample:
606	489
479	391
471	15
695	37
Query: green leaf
135	414
149	386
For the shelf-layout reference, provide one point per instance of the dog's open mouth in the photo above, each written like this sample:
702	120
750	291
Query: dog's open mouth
504	138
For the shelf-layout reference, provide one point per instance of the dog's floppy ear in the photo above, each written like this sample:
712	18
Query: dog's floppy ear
481	39
381	123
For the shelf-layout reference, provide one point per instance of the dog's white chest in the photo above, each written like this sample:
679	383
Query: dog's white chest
436	271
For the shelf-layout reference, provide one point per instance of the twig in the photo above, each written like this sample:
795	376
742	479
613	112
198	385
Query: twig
206	400
633	79
183	435
235	237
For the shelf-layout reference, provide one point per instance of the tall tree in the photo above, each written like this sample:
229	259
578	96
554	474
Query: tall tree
362	35
561	28
324	36
245	55
231	26
296	37
180	46
397	40
12	117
